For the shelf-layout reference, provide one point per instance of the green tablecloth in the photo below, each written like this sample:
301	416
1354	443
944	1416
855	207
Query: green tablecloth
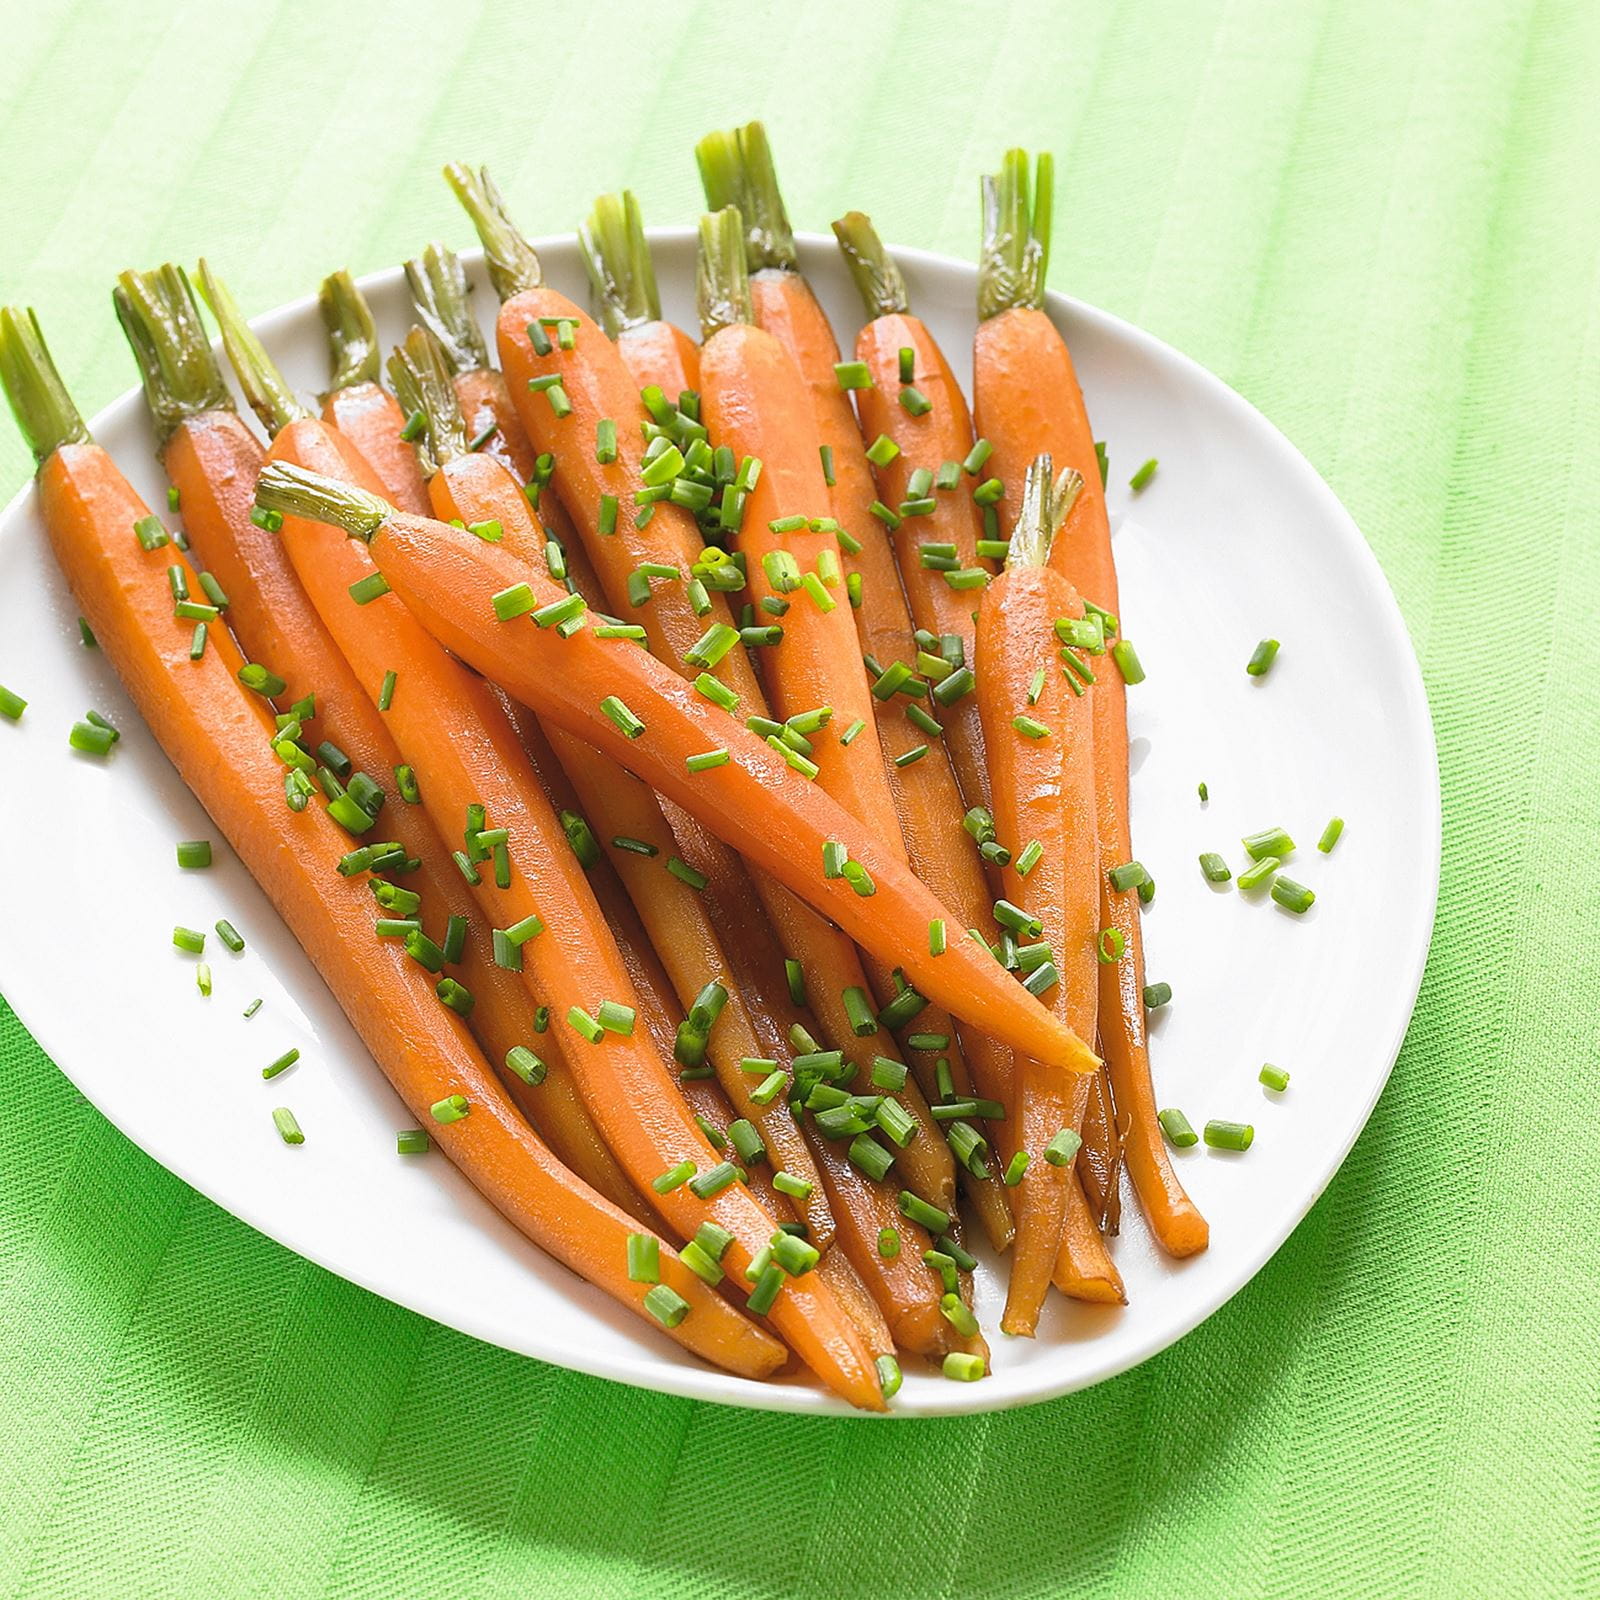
1378	221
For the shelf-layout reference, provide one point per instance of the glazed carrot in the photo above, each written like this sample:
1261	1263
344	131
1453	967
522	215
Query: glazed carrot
219	736
687	922
736	168
930	440
623	278
1038	732
549	347
441	298
755	799
1028	401
568	956
479	490
213	460
356	403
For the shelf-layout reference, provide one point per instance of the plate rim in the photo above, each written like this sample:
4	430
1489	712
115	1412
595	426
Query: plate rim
701	1381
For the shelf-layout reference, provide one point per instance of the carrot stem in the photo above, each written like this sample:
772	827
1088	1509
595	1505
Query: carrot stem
722	281
736	170
441	298
1015	254
180	375
873	269
419	370
39	399
513	263
352	334
618	258
272	400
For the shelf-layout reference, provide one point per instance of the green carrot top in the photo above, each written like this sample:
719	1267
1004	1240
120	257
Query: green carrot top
168	337
618	258
513	263
352	334
420	371
722	283
39	400
736	170
1015	254
264	386
1046	503
883	289
296	492
440	295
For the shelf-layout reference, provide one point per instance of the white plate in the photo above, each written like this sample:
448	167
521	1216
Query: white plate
1236	539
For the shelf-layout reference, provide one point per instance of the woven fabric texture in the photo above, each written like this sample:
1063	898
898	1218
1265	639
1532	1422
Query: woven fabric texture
1378	222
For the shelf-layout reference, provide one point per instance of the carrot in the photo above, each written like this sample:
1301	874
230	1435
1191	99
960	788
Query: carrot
930	439
213	460
440	295
737	168
1028	401
479	490
757	1018
623	278
596	388
755	800
356	403
1038	731
219	736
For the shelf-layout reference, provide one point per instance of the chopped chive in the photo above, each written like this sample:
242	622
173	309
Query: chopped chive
826	452
1157	995
1015	1168
466	867
411	1142
850	732
717	692
151	535
521	1061
1330	835
282	1064
963	1368
516	601
882	450
958	683
765	1293
581	837
906	758
666	1305
859	879
1290	895
1259	872
257	678
455	939
178	583
914	401
1103	459
614	1017
1221	1135
621	717
581	1022
194	853
189	939
936	937
713	1180
283	1119
859	1012
993	549
967	578
1261	659
706	760
567	609
1036	687
673	1178
1077	668
202	978
1180	1134
922	722
769	1088
888	1243
1129	875
920	1211
888	1074
1274	1078
1030	727
795	977
1203	792
372	587
712	645
1216	870
1269	842
976	456
746	1142
853	374
1061	1149
871	1157
1127	660
700	1263
456	996
1110	945
491	531
644	1258
684	873
1143	476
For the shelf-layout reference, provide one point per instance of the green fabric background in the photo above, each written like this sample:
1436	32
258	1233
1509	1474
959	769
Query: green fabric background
1377	219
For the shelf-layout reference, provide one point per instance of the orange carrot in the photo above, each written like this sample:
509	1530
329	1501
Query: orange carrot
441	298
220	737
755	799
1028	401
1038	732
547	341
931	439
623	278
213	460
356	403
737	169
470	765
479	490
